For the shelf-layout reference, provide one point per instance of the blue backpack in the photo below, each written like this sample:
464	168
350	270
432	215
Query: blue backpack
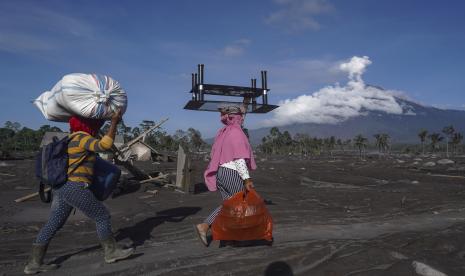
52	166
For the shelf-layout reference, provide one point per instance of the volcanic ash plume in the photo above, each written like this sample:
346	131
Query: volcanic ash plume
335	104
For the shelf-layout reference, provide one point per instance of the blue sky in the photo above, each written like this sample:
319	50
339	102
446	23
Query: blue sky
151	47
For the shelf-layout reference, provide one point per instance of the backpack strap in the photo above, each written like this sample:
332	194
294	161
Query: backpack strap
43	198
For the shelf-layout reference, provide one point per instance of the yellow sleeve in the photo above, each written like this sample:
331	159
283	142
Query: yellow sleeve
92	144
106	142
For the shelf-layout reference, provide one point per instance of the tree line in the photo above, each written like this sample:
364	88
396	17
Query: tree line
277	142
15	138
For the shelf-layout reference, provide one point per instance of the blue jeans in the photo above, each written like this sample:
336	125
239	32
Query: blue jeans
75	195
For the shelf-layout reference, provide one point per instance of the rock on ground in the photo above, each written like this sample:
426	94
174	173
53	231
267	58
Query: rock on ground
429	164
445	162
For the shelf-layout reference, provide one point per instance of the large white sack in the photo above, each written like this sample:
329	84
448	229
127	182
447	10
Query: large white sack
49	106
91	96
86	95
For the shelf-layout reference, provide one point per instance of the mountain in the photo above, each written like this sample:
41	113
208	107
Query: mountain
401	128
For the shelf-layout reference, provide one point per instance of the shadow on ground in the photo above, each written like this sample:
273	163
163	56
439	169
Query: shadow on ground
279	268
141	231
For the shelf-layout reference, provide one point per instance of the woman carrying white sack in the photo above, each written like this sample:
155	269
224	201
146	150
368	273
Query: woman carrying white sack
89	96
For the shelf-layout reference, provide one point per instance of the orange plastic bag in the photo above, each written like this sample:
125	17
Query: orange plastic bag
243	217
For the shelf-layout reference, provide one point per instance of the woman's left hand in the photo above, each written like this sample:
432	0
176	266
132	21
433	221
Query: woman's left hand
248	183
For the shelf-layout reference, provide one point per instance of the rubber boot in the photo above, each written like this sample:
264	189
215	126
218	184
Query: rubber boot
113	252
35	263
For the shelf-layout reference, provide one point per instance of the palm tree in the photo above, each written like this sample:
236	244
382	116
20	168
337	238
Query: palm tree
361	143
422	135
385	141
317	144
347	142
456	140
448	131
435	139
382	142
328	144
378	143
340	145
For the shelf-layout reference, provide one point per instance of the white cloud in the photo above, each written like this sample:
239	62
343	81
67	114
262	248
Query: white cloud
26	27
235	49
299	15
10	42
333	104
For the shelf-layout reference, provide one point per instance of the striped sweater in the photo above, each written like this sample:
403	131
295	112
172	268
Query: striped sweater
84	146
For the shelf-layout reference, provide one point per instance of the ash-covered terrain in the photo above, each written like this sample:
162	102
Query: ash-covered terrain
332	216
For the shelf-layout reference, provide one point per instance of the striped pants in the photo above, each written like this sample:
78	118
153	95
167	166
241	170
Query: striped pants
229	183
74	195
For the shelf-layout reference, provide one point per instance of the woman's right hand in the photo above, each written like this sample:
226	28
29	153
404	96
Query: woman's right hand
117	116
115	119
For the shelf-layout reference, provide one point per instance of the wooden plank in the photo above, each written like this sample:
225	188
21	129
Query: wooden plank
7	174
183	171
180	171
448	175
155	179
29	196
187	174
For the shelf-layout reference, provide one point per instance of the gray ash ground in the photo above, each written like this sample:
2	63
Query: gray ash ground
332	216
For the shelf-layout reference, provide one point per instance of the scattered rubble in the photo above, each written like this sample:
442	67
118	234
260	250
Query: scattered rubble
152	192
445	162
22	188
426	270
7	174
429	164
4	164
382	182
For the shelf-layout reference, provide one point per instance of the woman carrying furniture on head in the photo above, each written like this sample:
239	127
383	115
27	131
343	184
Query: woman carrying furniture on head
231	160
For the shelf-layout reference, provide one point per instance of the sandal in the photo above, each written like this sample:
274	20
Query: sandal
202	235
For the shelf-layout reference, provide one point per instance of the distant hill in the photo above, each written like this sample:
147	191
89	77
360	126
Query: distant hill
402	128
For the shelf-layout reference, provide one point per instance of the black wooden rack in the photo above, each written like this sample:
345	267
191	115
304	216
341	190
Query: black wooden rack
250	94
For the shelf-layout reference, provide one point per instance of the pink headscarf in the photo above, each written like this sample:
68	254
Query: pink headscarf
230	144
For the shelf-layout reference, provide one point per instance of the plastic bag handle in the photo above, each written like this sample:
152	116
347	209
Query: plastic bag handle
246	192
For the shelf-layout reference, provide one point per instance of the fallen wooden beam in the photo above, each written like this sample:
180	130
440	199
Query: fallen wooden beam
142	135
154	179
447	175
29	196
7	174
